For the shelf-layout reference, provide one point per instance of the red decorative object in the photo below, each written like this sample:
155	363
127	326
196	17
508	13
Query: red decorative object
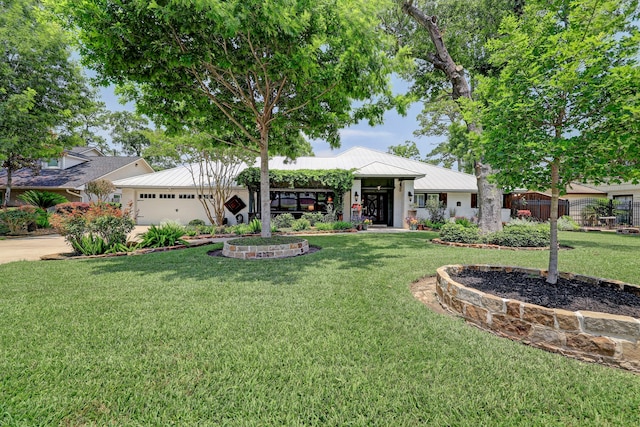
234	204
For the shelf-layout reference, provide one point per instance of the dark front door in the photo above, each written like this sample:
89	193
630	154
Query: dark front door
376	207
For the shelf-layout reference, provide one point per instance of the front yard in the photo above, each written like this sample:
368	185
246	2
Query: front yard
330	338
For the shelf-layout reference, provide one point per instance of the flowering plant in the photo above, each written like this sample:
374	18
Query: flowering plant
524	213
367	221
411	220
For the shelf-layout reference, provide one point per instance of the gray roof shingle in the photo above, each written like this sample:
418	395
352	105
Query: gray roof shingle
73	177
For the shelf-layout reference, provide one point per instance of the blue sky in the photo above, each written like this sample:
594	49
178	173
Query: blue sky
395	130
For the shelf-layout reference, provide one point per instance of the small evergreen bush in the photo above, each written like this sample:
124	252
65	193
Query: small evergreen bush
301	224
521	236
313	217
19	220
452	232
465	222
324	226
283	220
342	225
196	222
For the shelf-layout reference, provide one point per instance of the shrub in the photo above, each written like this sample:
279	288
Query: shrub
433	225
90	245
196	222
452	232
523	221
18	220
66	208
324	226
521	236
80	223
342	225
283	220
240	229
465	222
255	225
313	217
436	210
566	223
167	234
42	199
301	224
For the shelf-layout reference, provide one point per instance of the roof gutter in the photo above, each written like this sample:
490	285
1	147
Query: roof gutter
78	195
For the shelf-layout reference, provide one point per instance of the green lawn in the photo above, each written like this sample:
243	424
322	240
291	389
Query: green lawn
331	338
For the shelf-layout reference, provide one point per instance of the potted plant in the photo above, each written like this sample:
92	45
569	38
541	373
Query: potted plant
366	223
412	221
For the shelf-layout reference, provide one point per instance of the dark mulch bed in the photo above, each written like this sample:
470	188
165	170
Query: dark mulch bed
569	295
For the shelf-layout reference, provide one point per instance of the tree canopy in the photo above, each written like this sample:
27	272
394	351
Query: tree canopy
252	73
40	86
562	107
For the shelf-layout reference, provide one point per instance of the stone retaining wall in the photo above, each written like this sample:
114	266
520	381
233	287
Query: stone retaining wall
268	251
591	336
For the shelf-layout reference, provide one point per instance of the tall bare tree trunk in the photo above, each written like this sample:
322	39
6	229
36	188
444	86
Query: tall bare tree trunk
265	191
489	195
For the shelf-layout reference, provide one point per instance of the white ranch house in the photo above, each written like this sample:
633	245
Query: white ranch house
386	188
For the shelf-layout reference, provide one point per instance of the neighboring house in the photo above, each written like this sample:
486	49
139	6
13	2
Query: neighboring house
69	174
386	188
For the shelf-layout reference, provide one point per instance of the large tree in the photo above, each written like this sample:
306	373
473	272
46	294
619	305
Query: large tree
128	132
39	86
458	55
562	107
266	69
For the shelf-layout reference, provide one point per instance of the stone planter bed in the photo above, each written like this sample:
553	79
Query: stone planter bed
284	250
595	336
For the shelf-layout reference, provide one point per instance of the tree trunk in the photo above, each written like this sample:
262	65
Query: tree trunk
552	277
7	191
265	191
489	200
489	195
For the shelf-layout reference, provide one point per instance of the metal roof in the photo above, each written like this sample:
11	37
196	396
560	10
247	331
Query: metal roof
366	163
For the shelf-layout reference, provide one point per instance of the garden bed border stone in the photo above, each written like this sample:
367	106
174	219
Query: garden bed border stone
608	339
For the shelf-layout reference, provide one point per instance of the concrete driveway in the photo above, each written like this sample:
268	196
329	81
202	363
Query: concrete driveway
33	247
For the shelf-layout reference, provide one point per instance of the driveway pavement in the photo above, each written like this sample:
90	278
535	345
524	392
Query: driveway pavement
33	247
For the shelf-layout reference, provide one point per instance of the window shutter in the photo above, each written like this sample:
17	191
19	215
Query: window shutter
443	198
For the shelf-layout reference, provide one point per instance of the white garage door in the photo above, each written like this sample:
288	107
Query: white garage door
155	207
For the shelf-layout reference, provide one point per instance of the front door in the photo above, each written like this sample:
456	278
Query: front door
375	207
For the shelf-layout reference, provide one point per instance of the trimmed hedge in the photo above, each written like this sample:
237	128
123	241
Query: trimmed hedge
534	235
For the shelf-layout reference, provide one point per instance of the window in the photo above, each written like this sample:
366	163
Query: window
167	196
52	163
205	196
147	196
290	201
419	200
186	196
474	200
